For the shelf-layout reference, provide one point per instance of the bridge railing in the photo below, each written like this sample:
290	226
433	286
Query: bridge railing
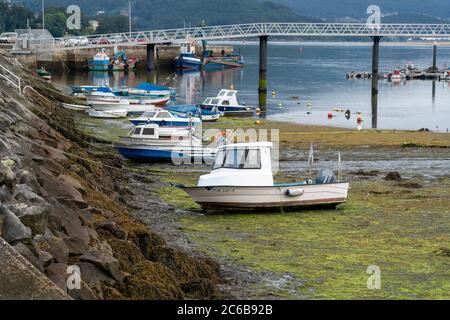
253	30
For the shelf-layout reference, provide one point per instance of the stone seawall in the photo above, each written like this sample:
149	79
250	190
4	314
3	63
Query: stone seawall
62	207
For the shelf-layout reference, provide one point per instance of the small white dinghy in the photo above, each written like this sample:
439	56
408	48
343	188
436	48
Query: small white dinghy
241	179
108	114
75	107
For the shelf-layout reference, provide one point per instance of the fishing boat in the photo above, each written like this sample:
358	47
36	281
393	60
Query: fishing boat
106	95
86	89
149	89
227	103
226	61
43	73
196	111
100	62
75	107
164	117
188	60
121	62
152	143
108	114
242	179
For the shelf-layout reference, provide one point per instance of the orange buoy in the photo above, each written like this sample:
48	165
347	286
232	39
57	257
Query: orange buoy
359	120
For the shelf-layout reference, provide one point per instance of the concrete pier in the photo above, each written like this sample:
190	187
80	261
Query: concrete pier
375	78
262	88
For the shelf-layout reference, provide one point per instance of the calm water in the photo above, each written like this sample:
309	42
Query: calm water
316	74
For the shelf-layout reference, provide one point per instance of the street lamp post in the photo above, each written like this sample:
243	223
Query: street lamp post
129	16
43	16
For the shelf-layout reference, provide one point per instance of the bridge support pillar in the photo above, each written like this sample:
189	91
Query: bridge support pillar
150	57
435	57
262	88
375	79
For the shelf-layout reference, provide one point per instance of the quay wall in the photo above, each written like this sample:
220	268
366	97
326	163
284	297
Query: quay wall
76	59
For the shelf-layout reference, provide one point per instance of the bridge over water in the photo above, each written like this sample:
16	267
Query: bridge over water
263	31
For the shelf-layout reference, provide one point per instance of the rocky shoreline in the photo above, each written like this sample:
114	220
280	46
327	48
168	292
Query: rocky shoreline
63	205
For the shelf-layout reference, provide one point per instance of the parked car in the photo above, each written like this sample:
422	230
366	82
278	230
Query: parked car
8	37
100	40
76	41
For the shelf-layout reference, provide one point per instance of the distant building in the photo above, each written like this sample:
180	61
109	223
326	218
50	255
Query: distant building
124	12
94	24
100	12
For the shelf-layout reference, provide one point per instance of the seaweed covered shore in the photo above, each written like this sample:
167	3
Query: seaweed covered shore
63	207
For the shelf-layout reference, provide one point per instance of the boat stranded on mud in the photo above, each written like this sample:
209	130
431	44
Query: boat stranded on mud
242	179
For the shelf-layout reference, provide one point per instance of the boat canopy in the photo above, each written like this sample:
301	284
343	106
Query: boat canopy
151	87
194	109
244	164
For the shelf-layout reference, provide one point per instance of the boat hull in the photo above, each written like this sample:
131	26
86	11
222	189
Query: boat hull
253	198
232	111
163	153
132	109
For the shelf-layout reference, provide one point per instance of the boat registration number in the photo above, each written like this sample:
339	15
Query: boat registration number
222	189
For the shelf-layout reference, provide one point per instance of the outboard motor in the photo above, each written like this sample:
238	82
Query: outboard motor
325	176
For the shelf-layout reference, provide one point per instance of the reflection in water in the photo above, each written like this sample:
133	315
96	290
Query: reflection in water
314	75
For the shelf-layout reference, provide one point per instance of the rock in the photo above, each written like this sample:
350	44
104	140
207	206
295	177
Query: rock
27	254
410	185
393	176
57	272
4	193
35	217
45	258
84	293
23	193
91	274
104	261
151	281
12	229
56	247
7	175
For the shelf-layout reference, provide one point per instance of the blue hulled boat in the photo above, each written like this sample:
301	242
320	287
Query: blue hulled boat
163	117
195	110
188	60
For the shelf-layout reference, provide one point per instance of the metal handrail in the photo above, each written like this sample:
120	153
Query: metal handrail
15	80
250	30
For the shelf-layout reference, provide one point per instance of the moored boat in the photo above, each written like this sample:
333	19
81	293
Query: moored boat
194	110
132	109
242	179
108	114
188	60
75	107
100	62
227	103
164	117
154	143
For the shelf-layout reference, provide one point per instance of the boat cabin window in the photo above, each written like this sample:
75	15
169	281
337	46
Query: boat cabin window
238	158
222	93
225	103
215	101
137	131
230	94
149	114
148	132
163	115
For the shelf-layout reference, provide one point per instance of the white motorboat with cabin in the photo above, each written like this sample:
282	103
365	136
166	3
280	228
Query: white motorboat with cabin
154	143
241	179
164	117
227	103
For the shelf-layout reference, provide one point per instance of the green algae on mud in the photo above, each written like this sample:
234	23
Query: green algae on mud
328	251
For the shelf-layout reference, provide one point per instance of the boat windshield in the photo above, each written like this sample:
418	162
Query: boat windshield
238	158
149	114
